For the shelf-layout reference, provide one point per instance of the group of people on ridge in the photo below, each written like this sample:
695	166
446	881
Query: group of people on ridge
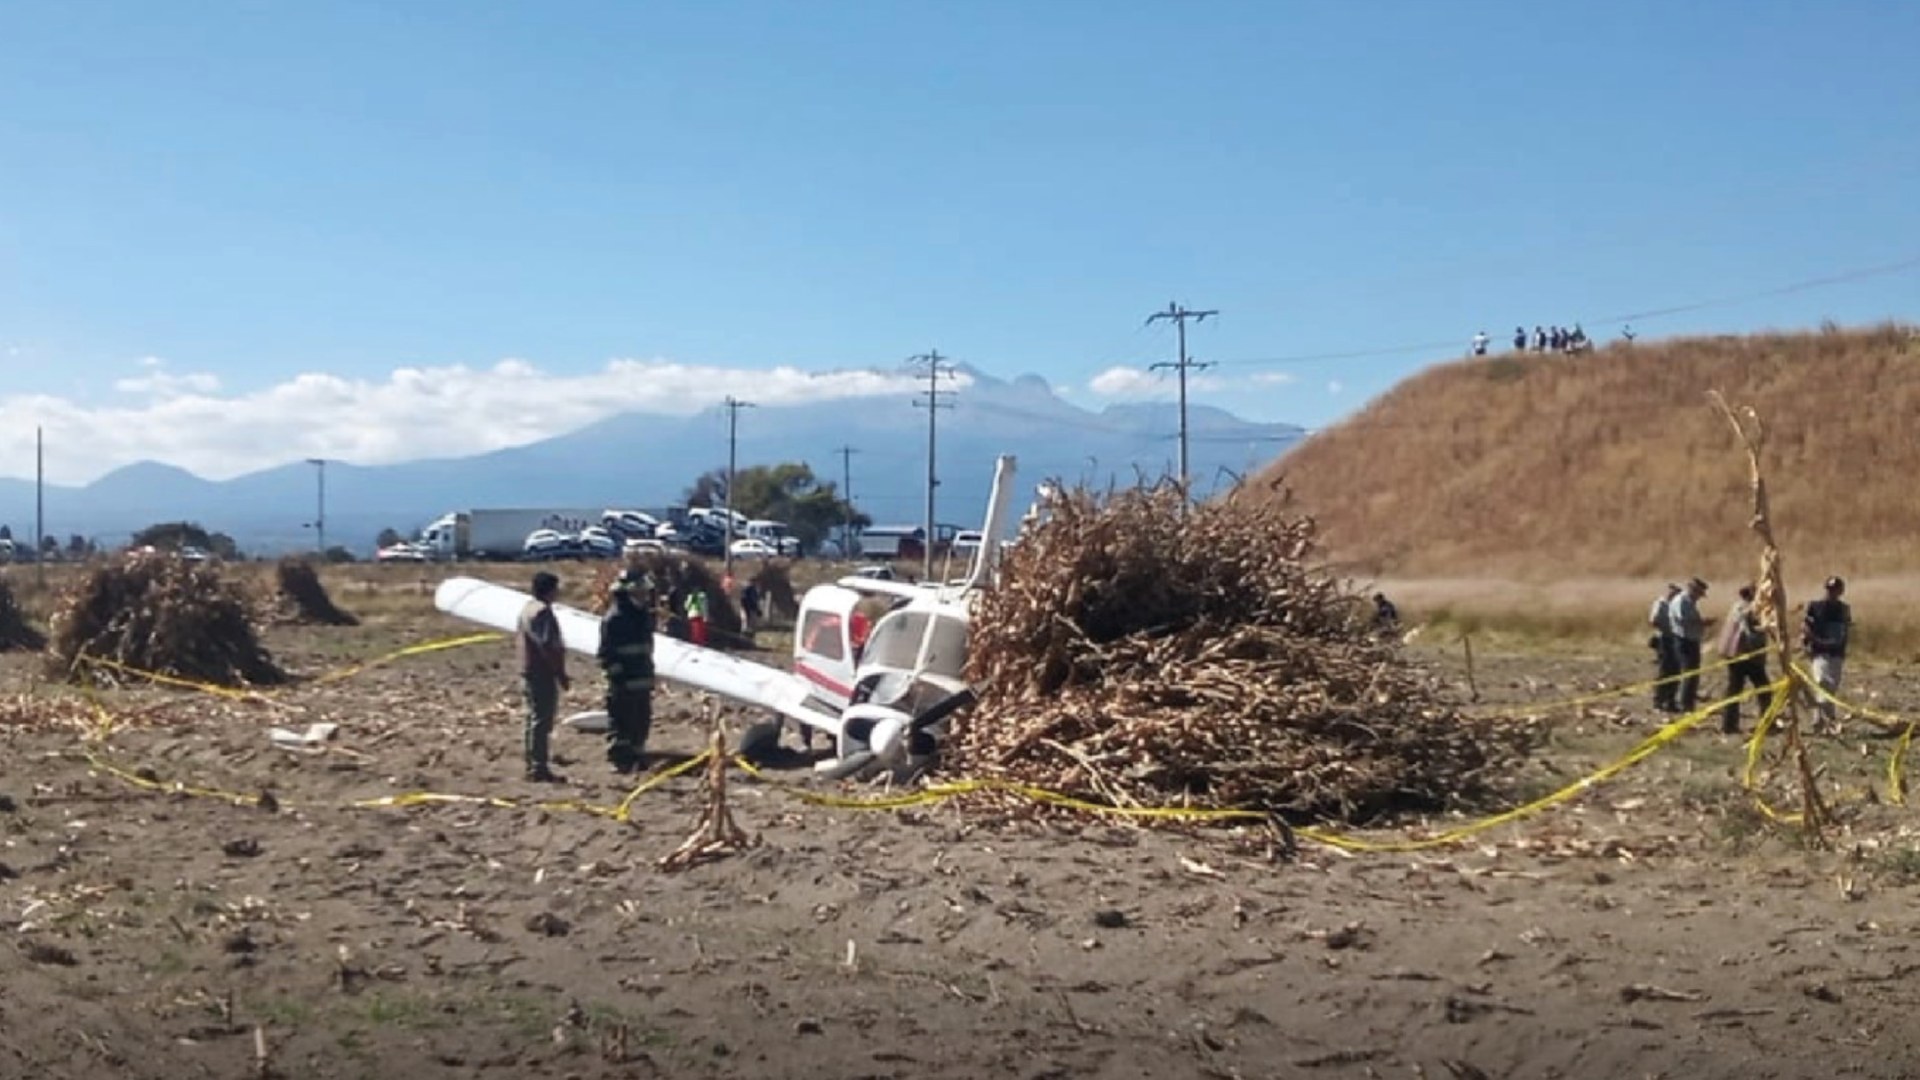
1679	631
1545	339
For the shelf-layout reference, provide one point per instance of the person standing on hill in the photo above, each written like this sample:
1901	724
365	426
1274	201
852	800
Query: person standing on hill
1666	655
1828	625
543	673
1743	643
1689	628
1519	339
1480	343
626	656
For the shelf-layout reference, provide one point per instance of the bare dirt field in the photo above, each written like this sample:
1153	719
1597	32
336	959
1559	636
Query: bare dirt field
1656	926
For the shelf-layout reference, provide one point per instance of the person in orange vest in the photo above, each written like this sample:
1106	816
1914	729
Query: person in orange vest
696	612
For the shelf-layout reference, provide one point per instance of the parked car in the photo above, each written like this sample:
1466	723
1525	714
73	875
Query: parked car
879	572
597	543
402	552
643	545
545	544
752	549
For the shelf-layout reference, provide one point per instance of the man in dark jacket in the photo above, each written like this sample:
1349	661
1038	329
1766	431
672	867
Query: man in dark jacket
626	656
1828	625
543	673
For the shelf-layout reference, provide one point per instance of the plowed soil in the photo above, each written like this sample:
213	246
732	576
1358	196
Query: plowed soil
1655	926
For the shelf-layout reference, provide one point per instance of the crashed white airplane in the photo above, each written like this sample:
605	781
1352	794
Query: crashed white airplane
883	702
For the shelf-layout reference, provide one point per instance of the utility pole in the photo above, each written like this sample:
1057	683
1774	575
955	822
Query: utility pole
39	505
320	518
1179	316
734	405
846	496
936	366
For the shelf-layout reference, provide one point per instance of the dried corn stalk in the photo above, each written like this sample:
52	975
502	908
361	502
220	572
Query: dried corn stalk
1136	654
156	612
15	631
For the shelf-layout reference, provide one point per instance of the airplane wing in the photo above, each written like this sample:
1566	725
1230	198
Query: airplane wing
883	587
711	670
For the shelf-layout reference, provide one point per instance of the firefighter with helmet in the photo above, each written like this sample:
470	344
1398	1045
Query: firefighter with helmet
626	656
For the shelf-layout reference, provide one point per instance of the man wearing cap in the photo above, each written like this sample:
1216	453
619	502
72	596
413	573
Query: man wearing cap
1689	628
1828	624
626	656
543	673
1666	654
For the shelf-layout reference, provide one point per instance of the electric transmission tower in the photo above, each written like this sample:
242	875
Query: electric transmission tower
933	399
1179	315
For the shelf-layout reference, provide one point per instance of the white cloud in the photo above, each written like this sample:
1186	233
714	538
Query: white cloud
1125	382
184	419
1133	382
1334	386
1276	378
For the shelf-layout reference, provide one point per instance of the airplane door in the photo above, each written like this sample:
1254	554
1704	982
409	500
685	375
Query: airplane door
823	649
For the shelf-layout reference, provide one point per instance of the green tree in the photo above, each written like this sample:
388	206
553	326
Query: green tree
788	493
174	535
387	538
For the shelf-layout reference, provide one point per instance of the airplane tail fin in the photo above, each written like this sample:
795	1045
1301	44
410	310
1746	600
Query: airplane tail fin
988	555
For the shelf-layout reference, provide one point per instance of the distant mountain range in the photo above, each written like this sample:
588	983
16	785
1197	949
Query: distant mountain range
648	461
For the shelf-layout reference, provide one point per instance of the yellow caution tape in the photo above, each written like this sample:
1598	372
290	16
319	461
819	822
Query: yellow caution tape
1754	746
939	792
441	645
1646	748
1618	691
1897	767
147	784
1885	721
264	694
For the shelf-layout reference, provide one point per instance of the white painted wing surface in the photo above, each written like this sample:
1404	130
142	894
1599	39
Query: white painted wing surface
716	672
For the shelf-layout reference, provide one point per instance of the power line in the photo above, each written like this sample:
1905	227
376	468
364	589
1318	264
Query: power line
936	366
1179	315
733	405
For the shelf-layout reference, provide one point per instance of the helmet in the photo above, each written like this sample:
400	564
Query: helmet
633	580
1834	584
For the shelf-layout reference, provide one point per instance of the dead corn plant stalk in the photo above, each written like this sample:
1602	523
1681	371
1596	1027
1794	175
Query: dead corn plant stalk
717	834
15	631
1138	652
1770	611
156	612
302	597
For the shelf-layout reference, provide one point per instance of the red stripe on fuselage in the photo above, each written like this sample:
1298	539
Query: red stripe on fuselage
823	680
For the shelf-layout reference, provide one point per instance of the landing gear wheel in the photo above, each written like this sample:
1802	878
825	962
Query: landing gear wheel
760	743
848	767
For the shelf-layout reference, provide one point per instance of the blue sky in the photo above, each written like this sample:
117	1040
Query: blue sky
215	209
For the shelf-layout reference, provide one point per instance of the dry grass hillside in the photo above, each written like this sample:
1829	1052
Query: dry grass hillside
1614	465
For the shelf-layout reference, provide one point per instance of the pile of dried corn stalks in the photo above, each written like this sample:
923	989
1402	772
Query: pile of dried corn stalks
15	631
302	597
1136	654
157	612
